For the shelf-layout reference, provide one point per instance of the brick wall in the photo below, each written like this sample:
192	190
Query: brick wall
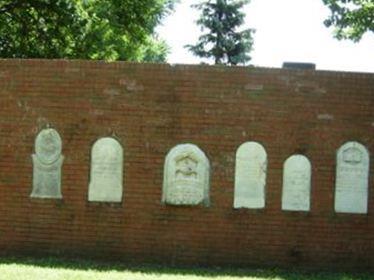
151	108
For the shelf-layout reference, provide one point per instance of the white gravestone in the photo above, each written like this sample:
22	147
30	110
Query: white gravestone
250	176
296	183
186	176
106	171
47	162
352	179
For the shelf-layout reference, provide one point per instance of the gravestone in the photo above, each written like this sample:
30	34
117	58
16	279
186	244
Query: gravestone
352	179
106	171
296	183
186	176
47	162
250	176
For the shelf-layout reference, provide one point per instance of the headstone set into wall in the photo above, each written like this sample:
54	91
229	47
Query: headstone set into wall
106	171
297	173
352	176
47	163
105	174
250	179
186	176
187	170
250	176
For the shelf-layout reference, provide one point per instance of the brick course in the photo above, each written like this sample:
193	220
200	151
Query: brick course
150	108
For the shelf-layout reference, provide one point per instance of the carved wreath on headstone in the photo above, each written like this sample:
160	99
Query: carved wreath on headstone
186	176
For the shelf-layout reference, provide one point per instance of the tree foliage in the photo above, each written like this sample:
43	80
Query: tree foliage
352	18
88	29
223	42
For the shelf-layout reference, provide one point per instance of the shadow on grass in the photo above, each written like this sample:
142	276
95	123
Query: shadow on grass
275	274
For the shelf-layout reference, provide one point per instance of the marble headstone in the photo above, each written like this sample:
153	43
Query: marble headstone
47	162
250	176
106	171
352	179
296	183
186	176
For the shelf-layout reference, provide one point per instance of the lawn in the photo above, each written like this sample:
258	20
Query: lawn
59	269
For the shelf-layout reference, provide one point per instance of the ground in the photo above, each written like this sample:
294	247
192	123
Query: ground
63	269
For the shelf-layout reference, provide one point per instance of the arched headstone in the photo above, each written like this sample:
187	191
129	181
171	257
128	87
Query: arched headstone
47	162
296	183
250	176
352	178
106	171
186	176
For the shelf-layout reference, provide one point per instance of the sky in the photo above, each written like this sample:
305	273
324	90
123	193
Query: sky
286	30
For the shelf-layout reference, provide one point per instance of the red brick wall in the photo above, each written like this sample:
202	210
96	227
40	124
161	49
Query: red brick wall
150	109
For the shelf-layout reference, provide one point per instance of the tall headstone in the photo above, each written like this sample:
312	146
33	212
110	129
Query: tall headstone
106	171
296	183
250	176
186	176
352	179
47	162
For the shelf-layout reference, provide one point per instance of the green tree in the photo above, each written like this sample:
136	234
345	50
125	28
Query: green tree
87	29
223	42
351	18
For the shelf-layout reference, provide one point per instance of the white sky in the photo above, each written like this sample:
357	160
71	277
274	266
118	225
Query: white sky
286	30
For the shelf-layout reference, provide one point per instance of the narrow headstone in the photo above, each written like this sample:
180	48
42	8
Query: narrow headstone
250	176
106	171
352	179
47	162
296	183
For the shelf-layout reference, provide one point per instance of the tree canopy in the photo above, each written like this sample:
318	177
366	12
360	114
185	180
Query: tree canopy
87	29
223	42
351	18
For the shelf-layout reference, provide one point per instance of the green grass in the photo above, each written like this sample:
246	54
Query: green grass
62	269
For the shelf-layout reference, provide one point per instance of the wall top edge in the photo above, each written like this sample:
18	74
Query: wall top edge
177	67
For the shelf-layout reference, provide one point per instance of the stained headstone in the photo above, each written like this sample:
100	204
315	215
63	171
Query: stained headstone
106	171
47	162
296	183
186	176
352	179
250	176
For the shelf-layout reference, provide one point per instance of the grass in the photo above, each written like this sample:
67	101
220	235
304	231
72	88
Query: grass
62	269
